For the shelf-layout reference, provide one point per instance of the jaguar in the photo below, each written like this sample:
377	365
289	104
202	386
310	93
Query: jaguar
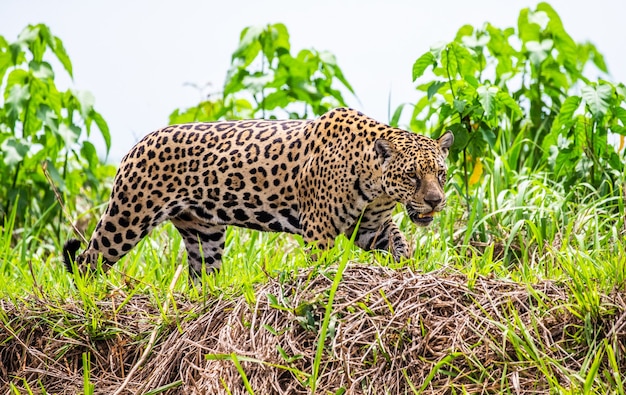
316	178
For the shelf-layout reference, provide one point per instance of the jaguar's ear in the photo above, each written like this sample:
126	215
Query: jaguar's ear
384	149
445	142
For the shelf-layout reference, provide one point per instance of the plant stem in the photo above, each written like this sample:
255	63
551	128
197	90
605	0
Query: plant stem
465	178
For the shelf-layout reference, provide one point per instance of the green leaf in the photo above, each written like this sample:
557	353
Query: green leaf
41	70
86	101
249	46
459	105
255	83
598	59
461	137
6	60
528	31
464	31
59	51
88	151
329	60
278	99
103	127
540	18
395	118
234	80
539	51
568	108
449	61
620	113
274	41
15	101
597	98
489	136
470	79
420	65
13	151
27	35
69	134
487	96
48	117
433	88
506	100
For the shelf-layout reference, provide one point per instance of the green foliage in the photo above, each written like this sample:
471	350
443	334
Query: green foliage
531	141
522	94
40	125
265	77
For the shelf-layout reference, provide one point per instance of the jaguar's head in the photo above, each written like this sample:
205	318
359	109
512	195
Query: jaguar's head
414	172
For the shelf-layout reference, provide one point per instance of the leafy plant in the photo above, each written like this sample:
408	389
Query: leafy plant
39	124
522	94
265	77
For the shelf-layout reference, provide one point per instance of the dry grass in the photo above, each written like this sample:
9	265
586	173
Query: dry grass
393	332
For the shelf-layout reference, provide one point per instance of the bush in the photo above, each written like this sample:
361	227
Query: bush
42	126
523	95
265	77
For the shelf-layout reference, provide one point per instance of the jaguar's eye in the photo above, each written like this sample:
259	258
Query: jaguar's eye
412	175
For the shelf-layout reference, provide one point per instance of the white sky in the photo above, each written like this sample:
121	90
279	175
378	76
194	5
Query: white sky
136	56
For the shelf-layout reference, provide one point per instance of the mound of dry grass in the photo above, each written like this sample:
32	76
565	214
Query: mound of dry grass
391	332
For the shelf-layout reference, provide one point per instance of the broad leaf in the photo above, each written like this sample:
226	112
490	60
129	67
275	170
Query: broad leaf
86	101
620	113
48	117
568	108
420	65
249	45
13	151
540	18
539	50
487	96
69	134
528	31
5	58
27	35
461	137
278	99
15	101
104	128
59	51
433	88
459	105
88	151
465	30
507	101
41	70
489	136
597	98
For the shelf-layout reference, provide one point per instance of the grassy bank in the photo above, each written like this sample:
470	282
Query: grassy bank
521	292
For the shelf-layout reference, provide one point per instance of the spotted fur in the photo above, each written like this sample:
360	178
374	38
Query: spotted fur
314	178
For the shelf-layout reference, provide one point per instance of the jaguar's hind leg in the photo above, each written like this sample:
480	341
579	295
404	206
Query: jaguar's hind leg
204	243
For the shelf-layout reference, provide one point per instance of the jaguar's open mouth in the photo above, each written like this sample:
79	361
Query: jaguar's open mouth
423	219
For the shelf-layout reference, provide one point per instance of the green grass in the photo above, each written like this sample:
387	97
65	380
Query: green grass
521	228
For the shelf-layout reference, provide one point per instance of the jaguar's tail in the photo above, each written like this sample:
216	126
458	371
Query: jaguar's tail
69	253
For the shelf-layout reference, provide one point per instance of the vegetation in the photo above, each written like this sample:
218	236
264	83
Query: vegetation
42	127
522	96
530	253
266	81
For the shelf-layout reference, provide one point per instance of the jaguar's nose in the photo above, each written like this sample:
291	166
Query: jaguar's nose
433	201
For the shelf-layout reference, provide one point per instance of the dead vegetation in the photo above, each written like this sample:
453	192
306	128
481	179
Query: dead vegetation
391	333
